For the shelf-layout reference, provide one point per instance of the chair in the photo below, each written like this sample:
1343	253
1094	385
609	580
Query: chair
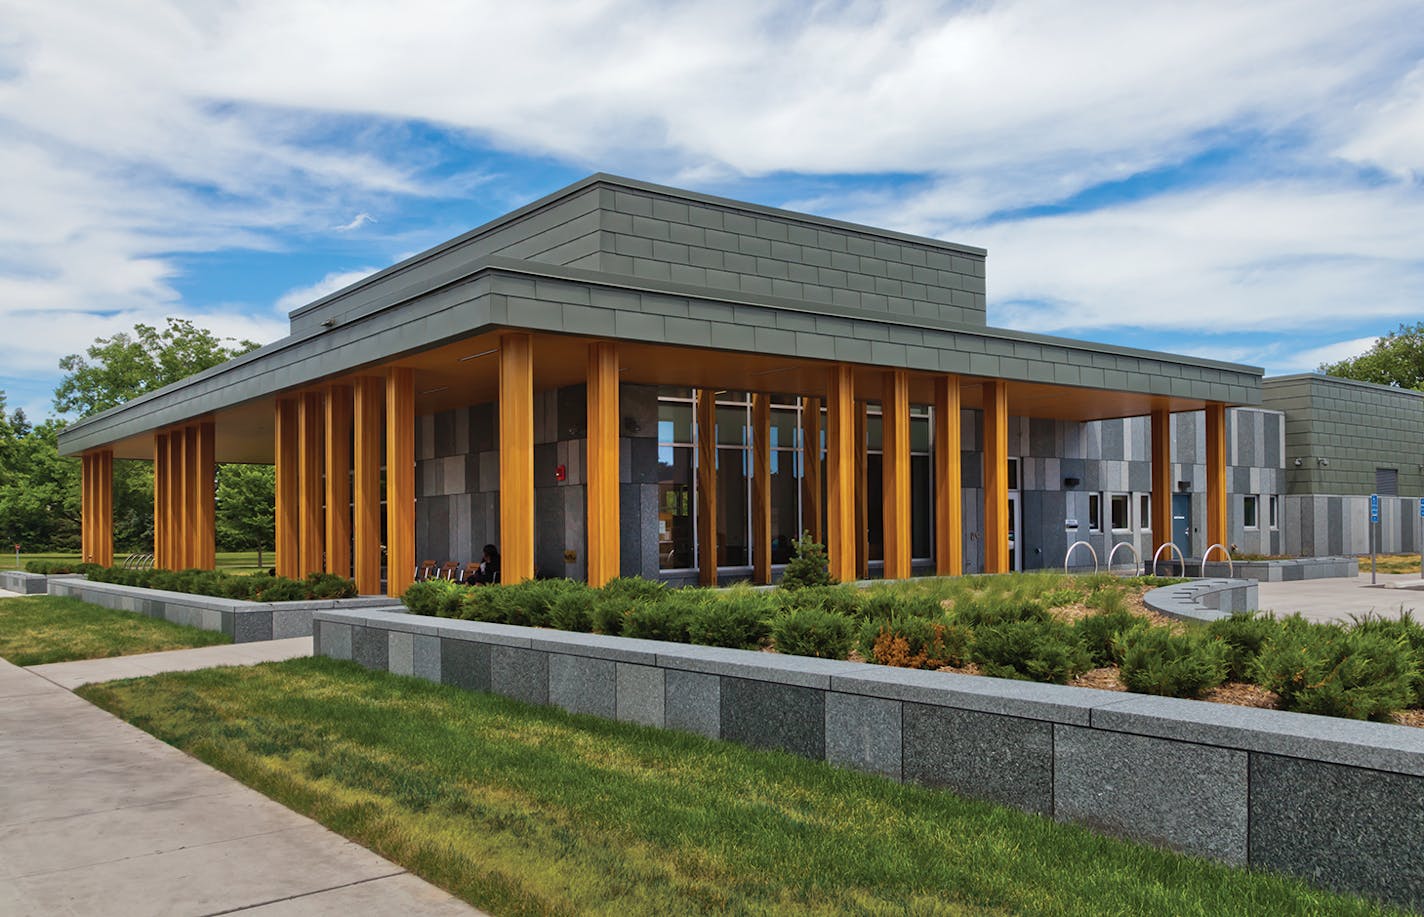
469	571
449	569
425	570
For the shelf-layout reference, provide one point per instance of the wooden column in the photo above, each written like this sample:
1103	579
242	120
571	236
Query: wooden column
895	472
400	479
368	398
996	476
86	508
203	445
811	470
288	516
862	494
104	507
310	433
949	498
841	537
1216	475
706	436
761	489
337	472
192	487
1161	477
516	457
173	498
603	530
160	489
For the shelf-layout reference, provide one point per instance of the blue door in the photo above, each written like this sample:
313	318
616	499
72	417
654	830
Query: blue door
1182	522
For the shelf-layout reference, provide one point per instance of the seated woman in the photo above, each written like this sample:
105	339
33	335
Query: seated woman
488	571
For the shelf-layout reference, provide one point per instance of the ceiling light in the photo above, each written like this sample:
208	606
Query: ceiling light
482	353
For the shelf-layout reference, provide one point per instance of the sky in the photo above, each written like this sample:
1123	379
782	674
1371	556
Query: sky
1242	181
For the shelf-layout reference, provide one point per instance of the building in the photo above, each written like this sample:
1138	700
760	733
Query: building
623	378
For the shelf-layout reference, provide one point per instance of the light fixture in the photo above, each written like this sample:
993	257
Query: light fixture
482	353
1298	462
431	391
1184	486
329	323
771	372
1323	462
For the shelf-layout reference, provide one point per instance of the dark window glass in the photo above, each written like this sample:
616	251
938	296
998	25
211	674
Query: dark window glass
921	506
733	471
675	500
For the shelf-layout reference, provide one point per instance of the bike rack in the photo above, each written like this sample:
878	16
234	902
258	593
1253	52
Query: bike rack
1136	556
1091	551
1164	547
1230	567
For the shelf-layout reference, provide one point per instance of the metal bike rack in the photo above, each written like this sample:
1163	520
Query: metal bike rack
1164	547
1091	551
1136	556
1230	567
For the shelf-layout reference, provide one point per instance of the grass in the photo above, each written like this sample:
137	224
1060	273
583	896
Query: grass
1392	563
525	810
48	628
229	561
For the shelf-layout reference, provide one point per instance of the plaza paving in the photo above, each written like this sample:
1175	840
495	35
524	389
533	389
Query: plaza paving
1338	599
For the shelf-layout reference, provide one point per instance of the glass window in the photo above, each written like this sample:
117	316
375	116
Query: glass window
920	434
1275	511
1095	512
733	472
785	502
731	424
675	525
1119	507
921	507
675	422
1144	511
784	429
1013	474
1250	505
874	431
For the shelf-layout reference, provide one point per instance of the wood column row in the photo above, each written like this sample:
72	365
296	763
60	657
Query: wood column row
97	507
184	489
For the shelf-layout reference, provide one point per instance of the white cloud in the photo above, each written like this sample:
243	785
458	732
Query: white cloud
301	296
1310	360
361	219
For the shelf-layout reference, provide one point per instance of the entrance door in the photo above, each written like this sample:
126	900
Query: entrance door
1182	522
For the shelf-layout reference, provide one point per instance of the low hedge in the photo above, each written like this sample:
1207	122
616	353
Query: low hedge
58	567
252	588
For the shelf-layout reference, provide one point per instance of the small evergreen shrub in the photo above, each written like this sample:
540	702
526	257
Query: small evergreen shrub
1243	634
1030	649
1157	661
987	610
1406	631
1097	632
330	586
59	567
1109	601
915	643
634	588
431	597
284	590
737	621
1326	669
813	632
573	610
657	621
609	611
842	600
1057	598
808	566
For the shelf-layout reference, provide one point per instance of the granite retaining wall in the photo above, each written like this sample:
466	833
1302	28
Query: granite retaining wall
244	622
1204	599
24	583
1285	570
1337	802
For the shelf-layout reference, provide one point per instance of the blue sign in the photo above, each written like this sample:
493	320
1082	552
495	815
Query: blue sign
1374	509
1421	507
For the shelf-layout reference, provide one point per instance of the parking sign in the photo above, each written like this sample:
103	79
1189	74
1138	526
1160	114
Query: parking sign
1374	509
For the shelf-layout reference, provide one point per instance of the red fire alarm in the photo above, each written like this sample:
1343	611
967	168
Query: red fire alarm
561	473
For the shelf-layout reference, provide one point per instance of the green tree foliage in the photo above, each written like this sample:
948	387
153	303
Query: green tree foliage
1395	359
245	515
39	491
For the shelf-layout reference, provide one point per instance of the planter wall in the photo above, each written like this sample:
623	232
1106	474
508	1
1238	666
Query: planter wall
1337	802
244	622
1289	570
1204	599
24	583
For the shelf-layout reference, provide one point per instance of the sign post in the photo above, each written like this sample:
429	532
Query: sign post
1419	542
1374	537
17	547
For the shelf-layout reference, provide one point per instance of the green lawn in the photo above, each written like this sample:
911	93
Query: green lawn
229	561
525	810
48	628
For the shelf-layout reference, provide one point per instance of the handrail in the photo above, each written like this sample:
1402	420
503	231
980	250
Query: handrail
1164	547
1136	555
1091	551
1230	567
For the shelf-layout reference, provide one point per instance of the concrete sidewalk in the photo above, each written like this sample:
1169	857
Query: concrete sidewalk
88	671
1337	599
98	817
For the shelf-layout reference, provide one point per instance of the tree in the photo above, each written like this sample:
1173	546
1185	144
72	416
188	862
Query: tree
122	367
1396	359
39	491
246	514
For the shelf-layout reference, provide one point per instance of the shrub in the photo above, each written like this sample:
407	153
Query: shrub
808	566
492	604
330	586
57	567
284	590
1243	634
842	600
1057	598
1406	631
634	588
573	610
657	621
1326	669
427	597
879	605
738	621
813	632
1157	661
528	603
915	643
1107	600
985	610
608	612
1032	649
1098	631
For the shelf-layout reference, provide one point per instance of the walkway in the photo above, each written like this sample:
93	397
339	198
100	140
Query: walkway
98	817
1337	599
88	671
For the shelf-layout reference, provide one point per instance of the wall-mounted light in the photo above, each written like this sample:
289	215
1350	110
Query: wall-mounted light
329	323
1298	463
1323	462
1184	486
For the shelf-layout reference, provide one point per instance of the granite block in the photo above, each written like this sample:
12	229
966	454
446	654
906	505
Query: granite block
520	674
1003	759
250	626
1379	746
425	657
1187	797
465	664
783	717
369	647
1055	703
1345	828
492	634
295	622
693	702
804	671
400	652
597	646
335	640
863	733
580	684
642	690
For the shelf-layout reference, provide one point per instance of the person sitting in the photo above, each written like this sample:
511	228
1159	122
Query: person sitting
487	573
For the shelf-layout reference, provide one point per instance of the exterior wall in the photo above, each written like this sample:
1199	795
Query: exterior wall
457	482
1329	525
1333	801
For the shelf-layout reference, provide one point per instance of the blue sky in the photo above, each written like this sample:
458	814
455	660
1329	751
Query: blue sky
1240	182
